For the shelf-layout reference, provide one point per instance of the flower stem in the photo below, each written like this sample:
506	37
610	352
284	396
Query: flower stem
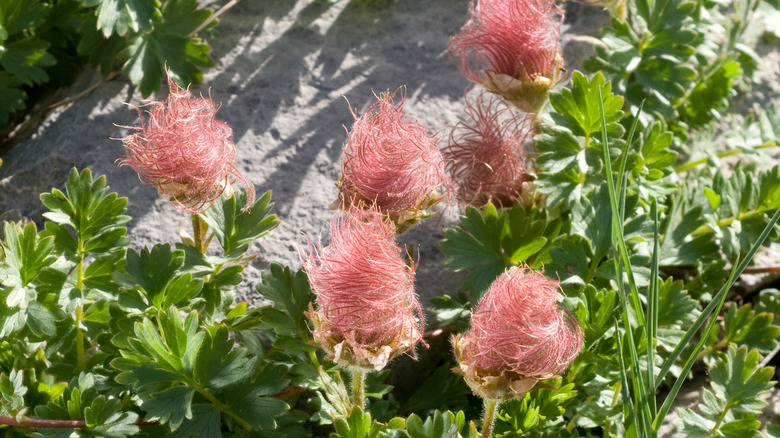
81	363
359	388
489	418
693	163
199	229
56	424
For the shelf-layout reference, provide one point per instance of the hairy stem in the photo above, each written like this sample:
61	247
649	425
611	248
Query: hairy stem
359	388
489	418
199	230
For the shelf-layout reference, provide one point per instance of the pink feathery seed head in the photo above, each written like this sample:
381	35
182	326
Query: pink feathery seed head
518	336
184	152
366	304
391	162
512	48
485	157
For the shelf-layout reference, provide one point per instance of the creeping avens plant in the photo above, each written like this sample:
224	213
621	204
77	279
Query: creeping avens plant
639	233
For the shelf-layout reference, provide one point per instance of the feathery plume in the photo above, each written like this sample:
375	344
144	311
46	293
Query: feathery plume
392	163
366	304
512	48
184	152
518	336
485	157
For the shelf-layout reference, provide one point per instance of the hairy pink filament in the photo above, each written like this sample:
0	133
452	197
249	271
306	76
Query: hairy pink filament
388	161
183	151
518	38
517	327
485	157
365	290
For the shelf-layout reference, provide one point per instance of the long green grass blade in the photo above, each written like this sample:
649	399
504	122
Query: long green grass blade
689	363
628	408
617	224
622	179
652	312
713	308
669	362
638	386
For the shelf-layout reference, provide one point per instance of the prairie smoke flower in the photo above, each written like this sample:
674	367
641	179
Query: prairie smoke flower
366	303
512	48
184	151
485	157
392	163
518	336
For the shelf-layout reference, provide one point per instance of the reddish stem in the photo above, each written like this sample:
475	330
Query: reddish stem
56	424
77	424
762	270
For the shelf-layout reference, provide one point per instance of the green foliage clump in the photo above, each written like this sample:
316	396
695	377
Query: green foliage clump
45	42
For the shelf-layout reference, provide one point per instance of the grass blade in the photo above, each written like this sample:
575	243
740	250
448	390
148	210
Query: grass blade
669	362
638	386
713	308
652	312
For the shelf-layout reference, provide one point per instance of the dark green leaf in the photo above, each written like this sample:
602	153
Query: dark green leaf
169	45
25	59
204	423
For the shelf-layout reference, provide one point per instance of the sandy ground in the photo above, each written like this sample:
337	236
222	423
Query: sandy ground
284	71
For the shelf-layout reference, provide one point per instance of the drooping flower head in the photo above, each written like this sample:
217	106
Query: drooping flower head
512	48
365	302
184	152
485	157
392	163
518	336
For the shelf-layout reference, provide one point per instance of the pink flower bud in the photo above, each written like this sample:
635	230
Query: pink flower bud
512	48
184	151
518	336
485	157
392	163
366	303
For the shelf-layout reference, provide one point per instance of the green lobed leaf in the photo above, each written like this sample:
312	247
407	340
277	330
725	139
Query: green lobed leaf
743	326
737	382
168	45
577	107
11	95
204	423
291	296
26	253
121	16
234	227
96	217
487	243
439	424
151	271
82	400
18	15
25	60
